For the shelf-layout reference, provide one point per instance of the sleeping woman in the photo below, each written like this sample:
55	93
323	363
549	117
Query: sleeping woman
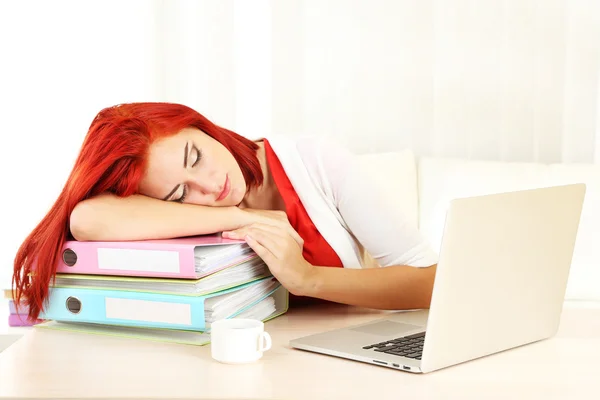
305	206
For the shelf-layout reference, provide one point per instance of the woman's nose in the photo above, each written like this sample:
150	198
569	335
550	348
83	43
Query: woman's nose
205	183
205	188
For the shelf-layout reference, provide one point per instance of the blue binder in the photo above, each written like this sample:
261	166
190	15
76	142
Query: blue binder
139	309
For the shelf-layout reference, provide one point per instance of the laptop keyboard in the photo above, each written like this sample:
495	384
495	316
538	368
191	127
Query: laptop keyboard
407	346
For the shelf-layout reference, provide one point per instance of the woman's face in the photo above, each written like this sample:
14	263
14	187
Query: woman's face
192	167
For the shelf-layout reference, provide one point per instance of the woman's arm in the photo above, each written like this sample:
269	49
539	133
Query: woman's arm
408	262
137	217
390	288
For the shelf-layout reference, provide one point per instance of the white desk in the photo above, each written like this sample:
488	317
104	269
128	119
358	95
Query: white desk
61	364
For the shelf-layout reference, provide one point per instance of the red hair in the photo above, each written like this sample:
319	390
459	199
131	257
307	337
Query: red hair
113	158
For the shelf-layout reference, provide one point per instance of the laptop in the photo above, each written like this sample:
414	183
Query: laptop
500	283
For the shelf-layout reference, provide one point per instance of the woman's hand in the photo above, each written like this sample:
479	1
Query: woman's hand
270	217
280	251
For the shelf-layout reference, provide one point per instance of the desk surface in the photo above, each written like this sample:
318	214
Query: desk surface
64	364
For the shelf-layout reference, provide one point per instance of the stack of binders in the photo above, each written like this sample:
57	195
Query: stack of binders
167	290
20	317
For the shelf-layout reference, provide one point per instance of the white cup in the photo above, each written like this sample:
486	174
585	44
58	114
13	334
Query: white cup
238	340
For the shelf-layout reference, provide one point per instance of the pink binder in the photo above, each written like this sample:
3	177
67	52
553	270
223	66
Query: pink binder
163	258
22	320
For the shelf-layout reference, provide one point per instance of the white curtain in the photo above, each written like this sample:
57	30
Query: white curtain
515	80
512	80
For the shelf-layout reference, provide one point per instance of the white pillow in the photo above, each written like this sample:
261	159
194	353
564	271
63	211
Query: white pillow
396	172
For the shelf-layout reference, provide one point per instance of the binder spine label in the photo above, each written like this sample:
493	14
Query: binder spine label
148	311
138	260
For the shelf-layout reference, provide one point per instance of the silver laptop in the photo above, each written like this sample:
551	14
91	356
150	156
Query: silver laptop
500	283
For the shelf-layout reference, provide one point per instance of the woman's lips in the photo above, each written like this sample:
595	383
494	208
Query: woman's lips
226	188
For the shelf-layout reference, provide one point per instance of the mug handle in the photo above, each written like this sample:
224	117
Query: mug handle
264	341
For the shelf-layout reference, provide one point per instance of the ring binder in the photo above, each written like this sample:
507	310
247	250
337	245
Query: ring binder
186	258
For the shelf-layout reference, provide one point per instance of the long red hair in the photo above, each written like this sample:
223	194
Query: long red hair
113	158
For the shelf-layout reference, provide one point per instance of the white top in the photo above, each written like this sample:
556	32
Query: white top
348	207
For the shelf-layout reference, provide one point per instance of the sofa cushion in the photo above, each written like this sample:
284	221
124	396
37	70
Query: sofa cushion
584	280
440	180
397	174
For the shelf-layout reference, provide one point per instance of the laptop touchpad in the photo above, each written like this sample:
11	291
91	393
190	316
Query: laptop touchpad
386	328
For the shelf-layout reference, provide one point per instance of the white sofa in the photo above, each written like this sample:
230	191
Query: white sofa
423	187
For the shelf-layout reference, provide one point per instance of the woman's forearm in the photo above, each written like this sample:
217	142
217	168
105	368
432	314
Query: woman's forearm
111	218
389	288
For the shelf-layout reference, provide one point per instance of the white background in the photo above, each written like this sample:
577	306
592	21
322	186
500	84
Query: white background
514	80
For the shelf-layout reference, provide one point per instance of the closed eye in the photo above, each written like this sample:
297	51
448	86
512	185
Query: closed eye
198	156
186	155
183	195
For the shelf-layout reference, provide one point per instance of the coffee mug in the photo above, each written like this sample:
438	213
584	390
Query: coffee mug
238	340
